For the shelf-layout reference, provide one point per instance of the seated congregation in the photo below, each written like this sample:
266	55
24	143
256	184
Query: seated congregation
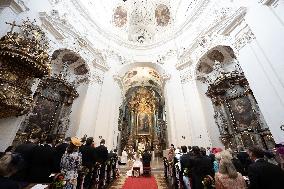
198	168
71	164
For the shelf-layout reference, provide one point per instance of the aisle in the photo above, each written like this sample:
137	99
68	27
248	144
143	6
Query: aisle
157	181
140	183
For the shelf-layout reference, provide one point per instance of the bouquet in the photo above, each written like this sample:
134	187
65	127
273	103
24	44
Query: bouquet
58	182
208	182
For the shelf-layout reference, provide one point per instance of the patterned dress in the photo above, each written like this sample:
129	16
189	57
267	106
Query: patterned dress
70	164
224	182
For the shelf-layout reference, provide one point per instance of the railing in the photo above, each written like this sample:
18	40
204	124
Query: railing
102	175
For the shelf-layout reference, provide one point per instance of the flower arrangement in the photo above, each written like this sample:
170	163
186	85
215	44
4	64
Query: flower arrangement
208	182
58	182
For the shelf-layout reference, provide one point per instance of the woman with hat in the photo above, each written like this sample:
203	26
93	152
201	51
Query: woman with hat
71	162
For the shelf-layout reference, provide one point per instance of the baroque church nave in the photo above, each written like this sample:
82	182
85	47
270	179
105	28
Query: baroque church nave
142	76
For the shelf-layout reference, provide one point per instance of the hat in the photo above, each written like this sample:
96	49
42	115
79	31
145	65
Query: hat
76	141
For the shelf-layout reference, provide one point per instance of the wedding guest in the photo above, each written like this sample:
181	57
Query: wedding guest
262	174
25	150
101	156
59	151
244	159
237	163
88	159
202	167
71	163
227	177
280	155
9	165
186	165
42	162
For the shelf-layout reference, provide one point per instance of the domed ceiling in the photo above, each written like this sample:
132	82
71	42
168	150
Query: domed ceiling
141	22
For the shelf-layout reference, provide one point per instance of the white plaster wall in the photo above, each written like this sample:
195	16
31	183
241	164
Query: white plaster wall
177	120
106	123
207	107
196	115
264	86
76	110
8	130
89	111
262	61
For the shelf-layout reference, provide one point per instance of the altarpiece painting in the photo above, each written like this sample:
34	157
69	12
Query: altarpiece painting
143	123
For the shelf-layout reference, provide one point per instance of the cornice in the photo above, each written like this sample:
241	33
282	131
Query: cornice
16	6
60	29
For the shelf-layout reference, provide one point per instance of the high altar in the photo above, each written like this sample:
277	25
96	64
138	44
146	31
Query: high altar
144	111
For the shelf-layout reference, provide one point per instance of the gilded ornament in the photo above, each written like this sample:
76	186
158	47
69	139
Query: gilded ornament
23	57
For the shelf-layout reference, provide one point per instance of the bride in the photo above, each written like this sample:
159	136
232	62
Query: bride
136	163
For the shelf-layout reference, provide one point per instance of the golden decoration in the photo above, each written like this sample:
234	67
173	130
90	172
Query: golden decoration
23	57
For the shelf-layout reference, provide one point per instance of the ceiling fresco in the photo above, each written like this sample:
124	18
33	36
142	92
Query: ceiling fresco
141	76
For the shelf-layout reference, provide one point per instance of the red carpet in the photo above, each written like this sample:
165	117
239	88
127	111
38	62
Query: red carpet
140	183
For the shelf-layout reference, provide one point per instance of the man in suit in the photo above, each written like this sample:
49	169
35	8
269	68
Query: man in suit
25	150
244	159
202	166
146	158
101	156
263	175
42	162
88	159
59	151
185	166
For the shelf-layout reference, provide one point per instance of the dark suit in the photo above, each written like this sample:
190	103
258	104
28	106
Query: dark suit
42	160
101	154
264	175
202	166
238	165
59	151
186	162
25	150
146	159
245	161
7	183
88	155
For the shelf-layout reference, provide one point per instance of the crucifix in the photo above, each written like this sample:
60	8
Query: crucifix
13	24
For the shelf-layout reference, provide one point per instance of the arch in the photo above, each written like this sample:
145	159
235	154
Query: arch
76	64
152	65
221	53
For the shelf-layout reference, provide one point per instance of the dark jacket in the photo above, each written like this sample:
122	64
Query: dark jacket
101	154
59	151
245	161
264	175
25	150
186	162
42	166
88	155
7	183
202	166
146	159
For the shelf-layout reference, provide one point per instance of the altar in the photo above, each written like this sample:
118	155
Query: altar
142	121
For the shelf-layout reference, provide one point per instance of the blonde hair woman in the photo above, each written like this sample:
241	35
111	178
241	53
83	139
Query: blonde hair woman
227	177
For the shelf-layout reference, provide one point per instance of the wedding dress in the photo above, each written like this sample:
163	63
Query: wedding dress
137	163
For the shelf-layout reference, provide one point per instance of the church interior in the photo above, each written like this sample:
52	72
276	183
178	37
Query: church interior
141	76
